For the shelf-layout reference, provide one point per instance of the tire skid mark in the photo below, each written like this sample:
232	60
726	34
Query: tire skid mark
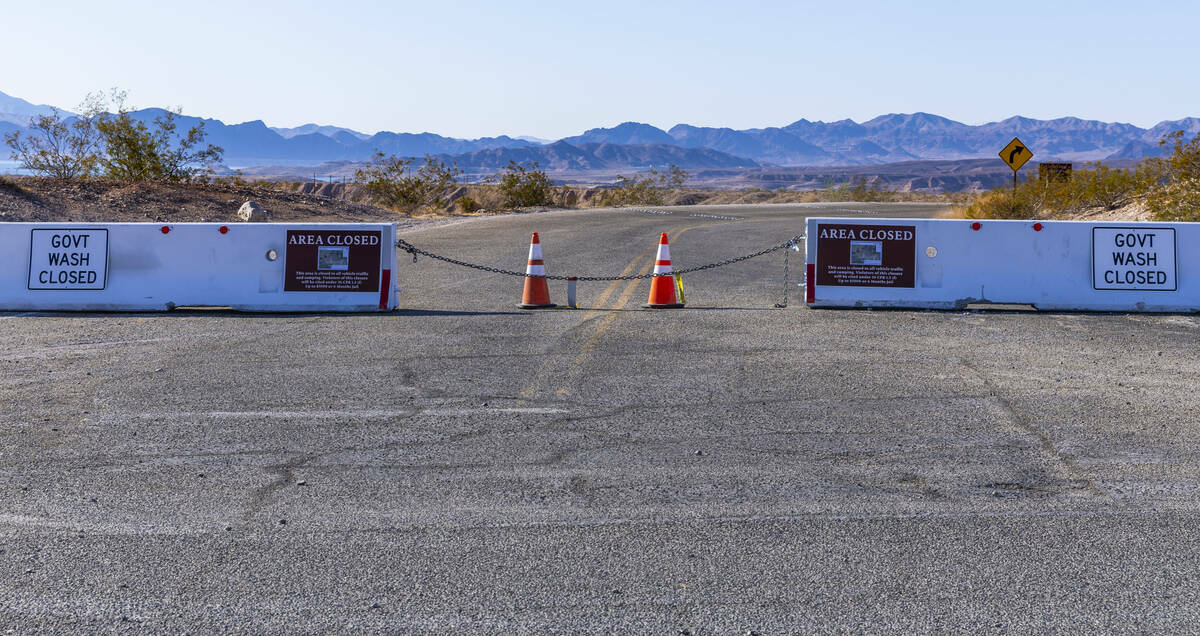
1048	448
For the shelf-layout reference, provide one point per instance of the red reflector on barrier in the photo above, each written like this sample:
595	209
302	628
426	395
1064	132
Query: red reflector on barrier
810	283
165	229
975	226
385	288
224	229
1037	227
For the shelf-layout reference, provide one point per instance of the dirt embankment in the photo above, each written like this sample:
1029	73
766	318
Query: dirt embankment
1136	211
47	200
40	199
488	197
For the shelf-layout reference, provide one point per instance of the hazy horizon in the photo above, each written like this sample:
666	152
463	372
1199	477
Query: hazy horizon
478	69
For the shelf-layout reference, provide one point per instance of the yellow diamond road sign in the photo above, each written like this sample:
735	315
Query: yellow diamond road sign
1015	154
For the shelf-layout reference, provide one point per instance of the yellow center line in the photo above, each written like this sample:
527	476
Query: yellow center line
577	365
612	287
544	370
603	325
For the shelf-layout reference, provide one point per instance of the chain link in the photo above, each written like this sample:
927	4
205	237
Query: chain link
416	251
784	304
787	282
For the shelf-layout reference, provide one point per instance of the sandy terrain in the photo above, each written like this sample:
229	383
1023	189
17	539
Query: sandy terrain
38	199
42	200
34	199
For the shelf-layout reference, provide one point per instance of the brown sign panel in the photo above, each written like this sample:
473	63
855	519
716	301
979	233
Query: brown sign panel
332	260
866	255
1054	171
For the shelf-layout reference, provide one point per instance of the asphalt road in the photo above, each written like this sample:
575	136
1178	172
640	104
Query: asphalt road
730	467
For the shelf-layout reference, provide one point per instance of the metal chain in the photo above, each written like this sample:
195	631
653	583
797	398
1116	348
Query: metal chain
415	251
787	283
784	304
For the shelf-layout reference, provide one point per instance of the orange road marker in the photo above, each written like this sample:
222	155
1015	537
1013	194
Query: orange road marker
662	286
537	291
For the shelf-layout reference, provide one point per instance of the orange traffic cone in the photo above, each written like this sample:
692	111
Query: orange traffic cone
537	292
662	286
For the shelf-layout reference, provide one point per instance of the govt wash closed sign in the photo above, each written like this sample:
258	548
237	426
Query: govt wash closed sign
1133	258
68	259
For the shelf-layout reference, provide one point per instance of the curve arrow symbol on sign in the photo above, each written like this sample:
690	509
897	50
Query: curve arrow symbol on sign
1012	156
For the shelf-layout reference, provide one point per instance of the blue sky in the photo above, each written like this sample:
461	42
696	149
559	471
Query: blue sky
552	69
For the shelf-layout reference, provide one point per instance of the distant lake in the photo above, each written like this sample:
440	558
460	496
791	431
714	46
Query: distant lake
10	167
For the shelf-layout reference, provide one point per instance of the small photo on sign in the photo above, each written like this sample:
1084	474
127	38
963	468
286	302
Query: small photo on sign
333	259
866	252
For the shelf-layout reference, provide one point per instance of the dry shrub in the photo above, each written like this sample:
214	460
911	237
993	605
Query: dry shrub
651	188
1170	186
1002	204
468	204
1177	201
396	183
1178	196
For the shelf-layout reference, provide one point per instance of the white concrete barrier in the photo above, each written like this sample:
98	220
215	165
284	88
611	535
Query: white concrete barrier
1052	265
157	267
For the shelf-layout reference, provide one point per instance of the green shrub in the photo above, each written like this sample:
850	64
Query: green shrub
1170	186
858	188
1003	204
646	189
1177	197
468	203
1109	188
57	147
133	151
236	180
523	187
117	146
391	181
1177	201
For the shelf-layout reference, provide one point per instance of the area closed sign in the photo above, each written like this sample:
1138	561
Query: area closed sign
851	255
332	260
1133	258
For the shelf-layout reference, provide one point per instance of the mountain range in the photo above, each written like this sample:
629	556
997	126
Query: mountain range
884	139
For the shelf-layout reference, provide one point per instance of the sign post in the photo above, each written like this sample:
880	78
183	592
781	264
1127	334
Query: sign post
1015	154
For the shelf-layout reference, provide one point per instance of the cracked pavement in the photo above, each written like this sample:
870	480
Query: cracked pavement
729	467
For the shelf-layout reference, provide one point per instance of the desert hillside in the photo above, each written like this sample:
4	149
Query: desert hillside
38	199
98	200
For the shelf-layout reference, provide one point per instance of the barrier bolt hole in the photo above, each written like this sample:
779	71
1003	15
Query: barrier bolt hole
271	255
166	229
975	226
1037	227
224	229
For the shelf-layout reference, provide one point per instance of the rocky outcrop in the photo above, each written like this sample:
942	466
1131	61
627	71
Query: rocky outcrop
252	212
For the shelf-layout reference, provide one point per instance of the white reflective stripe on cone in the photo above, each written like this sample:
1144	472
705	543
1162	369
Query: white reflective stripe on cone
662	269
535	251
664	252
536	270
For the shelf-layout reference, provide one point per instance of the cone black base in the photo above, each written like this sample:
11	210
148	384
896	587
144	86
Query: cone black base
671	306
536	306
